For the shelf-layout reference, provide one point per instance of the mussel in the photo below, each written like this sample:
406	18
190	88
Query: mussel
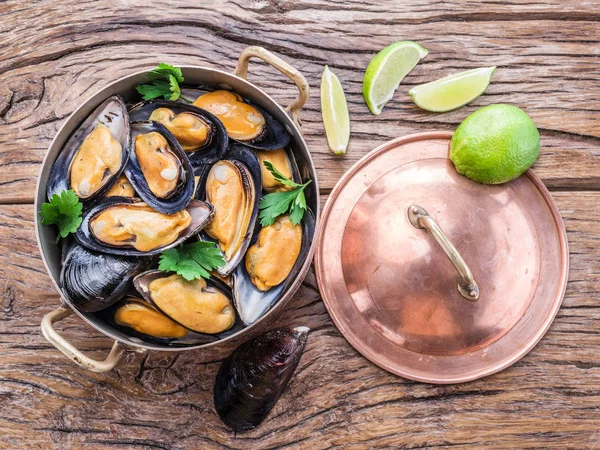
95	155
271	264
232	186
245	122
202	306
92	281
125	226
121	188
159	169
253	377
284	163
139	315
201	135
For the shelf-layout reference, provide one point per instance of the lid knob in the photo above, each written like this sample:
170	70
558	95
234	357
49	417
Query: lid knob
420	218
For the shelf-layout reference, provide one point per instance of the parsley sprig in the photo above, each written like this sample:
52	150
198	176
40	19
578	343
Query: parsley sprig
273	205
192	261
164	82
64	211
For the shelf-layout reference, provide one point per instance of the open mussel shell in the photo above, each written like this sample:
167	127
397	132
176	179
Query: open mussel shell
112	114
274	135
184	187
199	211
249	167
198	313
253	377
93	281
217	140
252	303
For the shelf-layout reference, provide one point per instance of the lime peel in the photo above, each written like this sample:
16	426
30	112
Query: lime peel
386	71
453	91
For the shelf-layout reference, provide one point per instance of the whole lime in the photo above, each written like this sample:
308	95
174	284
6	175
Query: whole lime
495	144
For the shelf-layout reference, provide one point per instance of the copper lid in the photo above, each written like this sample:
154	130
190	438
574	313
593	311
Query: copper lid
432	276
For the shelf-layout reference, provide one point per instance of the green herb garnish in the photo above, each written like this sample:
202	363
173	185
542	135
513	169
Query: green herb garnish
273	205
64	211
164	81
192	260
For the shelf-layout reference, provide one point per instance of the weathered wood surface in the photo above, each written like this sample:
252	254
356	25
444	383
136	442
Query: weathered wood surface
53	55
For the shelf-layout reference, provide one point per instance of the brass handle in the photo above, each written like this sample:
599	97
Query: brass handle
70	351
420	218
241	71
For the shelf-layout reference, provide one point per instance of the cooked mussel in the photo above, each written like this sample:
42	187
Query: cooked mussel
202	306
125	226
271	259
253	377
271	264
201	134
95	155
284	163
142	317
121	188
245	122
159	169
93	281
232	186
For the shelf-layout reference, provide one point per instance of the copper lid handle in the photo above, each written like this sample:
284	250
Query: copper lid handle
420	218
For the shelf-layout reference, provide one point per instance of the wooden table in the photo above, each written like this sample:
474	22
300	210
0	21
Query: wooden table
54	54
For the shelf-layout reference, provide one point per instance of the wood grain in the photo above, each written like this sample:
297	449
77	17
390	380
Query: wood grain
54	55
547	57
337	398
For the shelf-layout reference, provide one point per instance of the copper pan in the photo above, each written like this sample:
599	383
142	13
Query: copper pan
194	75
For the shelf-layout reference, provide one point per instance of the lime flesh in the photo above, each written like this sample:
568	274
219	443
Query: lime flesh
334	109
386	70
495	144
453	91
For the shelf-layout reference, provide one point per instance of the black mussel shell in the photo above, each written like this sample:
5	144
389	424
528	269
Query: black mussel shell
141	283
238	154
252	303
253	377
206	155
93	281
201	213
112	113
275	135
185	189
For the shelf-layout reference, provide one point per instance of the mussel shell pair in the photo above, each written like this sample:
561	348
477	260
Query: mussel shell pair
184	191
275	135
113	114
253	377
141	283
244	158
219	140
93	281
200	212
252	303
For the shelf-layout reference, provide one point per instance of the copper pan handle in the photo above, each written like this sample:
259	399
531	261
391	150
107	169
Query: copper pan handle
258	52
70	351
420	218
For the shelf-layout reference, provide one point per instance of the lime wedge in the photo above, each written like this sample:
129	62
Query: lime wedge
387	70
335	112
453	91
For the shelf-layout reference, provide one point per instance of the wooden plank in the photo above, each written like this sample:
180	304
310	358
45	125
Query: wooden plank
54	55
337	399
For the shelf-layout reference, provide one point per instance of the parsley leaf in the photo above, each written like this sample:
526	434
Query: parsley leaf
193	260
273	205
64	211
164	81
